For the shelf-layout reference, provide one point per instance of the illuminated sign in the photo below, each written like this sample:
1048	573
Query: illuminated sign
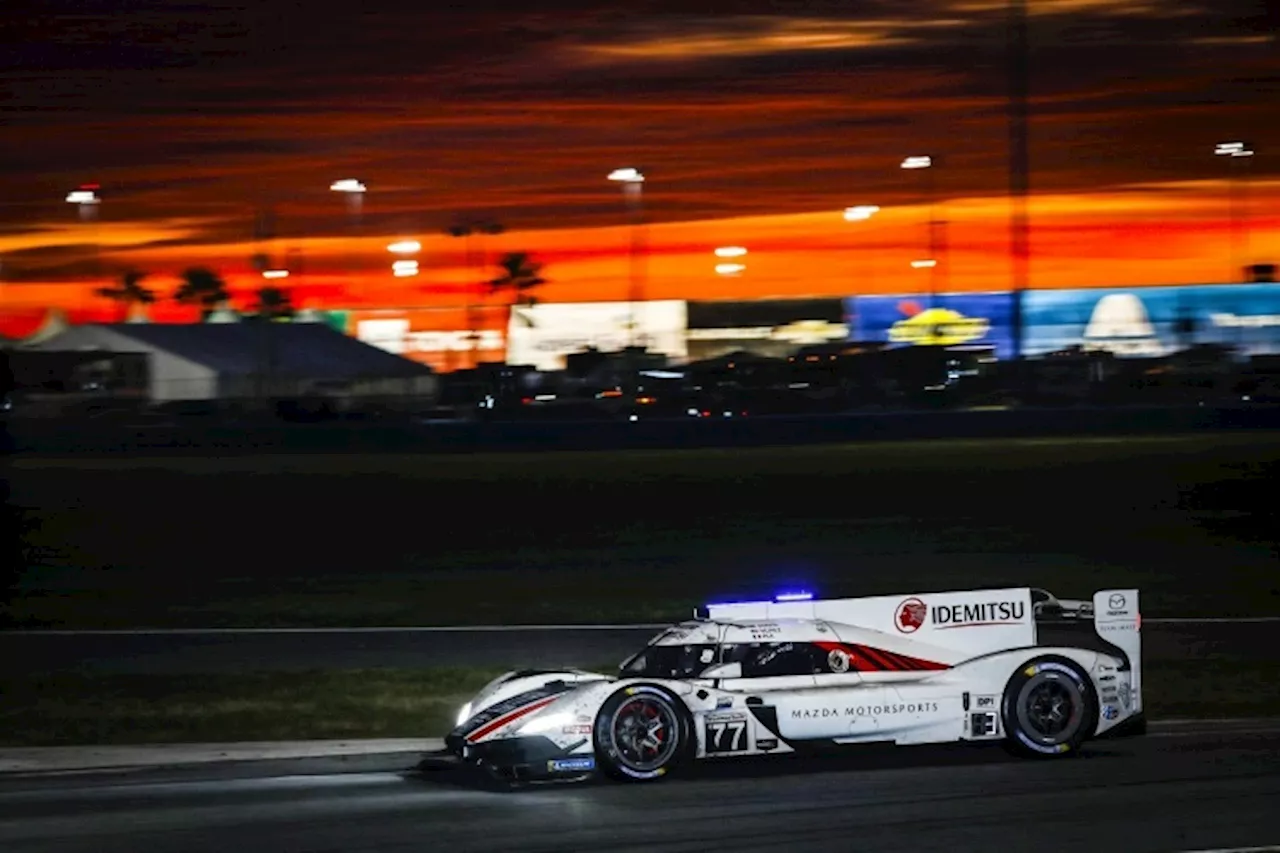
543	335
947	319
395	336
800	332
1154	321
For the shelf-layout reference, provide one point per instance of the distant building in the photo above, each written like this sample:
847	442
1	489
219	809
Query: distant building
252	360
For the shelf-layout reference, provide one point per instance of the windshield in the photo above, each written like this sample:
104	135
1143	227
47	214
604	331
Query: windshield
672	661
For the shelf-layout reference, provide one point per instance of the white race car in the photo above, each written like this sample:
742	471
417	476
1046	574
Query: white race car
766	678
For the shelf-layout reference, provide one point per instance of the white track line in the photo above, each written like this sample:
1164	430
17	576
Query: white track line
1235	850
498	629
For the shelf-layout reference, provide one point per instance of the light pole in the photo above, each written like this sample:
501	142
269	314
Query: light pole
632	181
1239	156
88	203
353	190
860	213
474	261
1019	63
936	240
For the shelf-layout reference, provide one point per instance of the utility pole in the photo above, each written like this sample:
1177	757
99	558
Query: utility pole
1019	164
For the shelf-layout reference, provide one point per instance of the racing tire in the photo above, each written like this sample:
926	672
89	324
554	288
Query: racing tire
642	733
1049	708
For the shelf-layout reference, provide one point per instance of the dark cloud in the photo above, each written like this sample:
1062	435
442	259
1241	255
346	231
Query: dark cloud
214	109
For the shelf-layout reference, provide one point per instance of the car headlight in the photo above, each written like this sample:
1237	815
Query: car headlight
464	714
546	724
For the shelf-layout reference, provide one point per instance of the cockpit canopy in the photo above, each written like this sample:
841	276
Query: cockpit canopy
762	648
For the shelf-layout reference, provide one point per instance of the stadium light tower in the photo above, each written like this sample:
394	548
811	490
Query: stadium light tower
860	213
632	181
934	239
1239	156
88	203
354	192
87	200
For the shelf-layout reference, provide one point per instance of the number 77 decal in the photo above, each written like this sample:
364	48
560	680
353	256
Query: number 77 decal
726	736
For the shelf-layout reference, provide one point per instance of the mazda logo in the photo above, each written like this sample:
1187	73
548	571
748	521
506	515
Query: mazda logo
1116	601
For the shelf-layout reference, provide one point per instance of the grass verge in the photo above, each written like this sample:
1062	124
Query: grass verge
79	709
356	539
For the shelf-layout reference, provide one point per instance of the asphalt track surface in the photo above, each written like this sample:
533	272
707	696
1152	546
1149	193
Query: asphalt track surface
1169	791
186	653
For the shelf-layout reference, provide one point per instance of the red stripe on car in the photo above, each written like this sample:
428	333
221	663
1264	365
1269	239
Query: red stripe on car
510	717
879	657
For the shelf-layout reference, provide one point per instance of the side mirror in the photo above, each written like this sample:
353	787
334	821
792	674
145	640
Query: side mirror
723	670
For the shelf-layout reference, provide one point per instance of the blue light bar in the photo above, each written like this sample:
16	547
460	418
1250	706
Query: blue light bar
794	596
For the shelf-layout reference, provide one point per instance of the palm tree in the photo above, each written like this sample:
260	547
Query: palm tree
203	287
274	303
520	275
129	292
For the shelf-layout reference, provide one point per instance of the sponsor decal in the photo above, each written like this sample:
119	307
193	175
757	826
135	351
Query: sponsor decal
725	716
912	614
838	660
970	615
724	702
986	701
1116	601
571	765
766	744
580	729
765	631
1110	712
885	710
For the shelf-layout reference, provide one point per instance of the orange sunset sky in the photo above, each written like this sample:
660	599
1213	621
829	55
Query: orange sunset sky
755	123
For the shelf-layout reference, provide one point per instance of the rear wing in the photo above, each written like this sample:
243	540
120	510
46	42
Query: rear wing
1118	622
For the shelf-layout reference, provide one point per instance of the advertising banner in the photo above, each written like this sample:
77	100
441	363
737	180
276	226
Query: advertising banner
948	319
1154	321
766	327
542	335
438	337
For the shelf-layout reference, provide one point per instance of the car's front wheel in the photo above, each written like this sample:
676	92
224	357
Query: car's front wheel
641	733
1049	708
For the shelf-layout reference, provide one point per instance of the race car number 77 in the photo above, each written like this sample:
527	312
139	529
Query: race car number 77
726	737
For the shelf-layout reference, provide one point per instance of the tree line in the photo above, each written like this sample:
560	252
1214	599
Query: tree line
519	276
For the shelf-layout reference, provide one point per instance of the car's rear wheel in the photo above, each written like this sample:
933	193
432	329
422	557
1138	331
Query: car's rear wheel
641	733
1049	708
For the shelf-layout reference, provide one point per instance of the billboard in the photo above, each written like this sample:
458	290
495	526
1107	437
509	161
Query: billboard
947	319
1154	321
766	327
445	339
542	335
